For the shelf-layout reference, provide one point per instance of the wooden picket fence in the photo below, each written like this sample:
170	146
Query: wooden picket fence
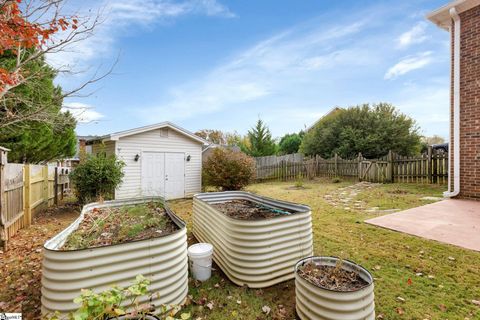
24	189
431	167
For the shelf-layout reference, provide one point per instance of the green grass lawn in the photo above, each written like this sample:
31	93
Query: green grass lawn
449	280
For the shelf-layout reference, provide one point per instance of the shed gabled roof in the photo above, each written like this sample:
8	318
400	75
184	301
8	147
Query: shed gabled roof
117	135
441	17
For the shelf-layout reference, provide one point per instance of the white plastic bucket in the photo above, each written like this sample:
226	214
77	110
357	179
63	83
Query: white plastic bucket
200	257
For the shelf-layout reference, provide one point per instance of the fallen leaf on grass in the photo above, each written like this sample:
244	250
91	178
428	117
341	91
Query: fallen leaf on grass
442	307
476	302
400	310
266	309
210	305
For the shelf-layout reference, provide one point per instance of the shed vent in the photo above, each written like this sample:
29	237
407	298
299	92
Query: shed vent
164	132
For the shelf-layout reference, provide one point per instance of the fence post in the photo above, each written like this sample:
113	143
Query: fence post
45	184
390	166
3	231
55	187
360	157
27	211
429	165
435	167
336	164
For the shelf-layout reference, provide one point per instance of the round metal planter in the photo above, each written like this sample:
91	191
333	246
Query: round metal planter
316	303
163	260
256	253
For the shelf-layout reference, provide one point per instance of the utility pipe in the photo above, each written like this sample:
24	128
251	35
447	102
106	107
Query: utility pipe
456	110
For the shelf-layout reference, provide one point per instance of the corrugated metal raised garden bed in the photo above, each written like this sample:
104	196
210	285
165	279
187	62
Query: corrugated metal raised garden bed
328	288
257	240
79	258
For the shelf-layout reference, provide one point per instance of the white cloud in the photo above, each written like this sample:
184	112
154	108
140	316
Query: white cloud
413	36
265	69
121	14
82	112
408	64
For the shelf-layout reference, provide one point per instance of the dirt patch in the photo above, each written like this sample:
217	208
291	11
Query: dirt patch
249	210
332	277
107	226
296	188
21	264
398	191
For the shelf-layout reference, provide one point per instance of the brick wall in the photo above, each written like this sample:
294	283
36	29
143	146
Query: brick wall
469	104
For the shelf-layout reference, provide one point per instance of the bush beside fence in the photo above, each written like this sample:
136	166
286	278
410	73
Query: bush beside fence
431	167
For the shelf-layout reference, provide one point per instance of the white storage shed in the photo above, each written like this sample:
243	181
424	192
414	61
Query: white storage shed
160	160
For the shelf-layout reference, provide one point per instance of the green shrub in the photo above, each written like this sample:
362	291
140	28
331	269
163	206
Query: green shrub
336	180
228	170
97	177
299	181
109	304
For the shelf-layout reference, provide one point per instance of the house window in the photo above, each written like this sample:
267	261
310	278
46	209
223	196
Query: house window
164	132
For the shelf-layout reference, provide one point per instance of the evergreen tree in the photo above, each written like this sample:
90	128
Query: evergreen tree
261	142
34	141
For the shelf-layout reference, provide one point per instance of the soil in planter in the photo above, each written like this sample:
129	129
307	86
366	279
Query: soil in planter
332	277
107	226
249	210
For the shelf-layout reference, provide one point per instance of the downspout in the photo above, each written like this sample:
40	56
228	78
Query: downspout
456	110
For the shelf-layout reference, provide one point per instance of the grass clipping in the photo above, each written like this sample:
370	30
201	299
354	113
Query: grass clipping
114	225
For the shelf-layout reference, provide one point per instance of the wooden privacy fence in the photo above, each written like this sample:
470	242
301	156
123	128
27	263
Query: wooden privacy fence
431	167
25	189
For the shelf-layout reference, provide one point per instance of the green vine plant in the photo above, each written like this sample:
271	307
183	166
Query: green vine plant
108	304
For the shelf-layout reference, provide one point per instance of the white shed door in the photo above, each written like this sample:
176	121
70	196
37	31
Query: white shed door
174	175
163	174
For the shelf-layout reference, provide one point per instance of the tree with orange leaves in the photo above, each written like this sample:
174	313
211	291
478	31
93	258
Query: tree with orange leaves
29	30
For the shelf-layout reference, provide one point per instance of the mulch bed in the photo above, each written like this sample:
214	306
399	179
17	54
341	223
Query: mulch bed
21	264
332	277
115	225
249	210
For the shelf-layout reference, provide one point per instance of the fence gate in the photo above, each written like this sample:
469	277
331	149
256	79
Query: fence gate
373	171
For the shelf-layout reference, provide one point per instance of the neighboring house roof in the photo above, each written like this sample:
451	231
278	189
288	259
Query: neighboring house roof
115	136
441	17
334	109
87	137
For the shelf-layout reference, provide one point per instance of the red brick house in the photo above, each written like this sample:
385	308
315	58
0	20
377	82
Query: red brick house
462	19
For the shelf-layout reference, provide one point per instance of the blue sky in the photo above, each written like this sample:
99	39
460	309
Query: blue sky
222	64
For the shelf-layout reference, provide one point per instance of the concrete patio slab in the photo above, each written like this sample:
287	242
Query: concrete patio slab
450	221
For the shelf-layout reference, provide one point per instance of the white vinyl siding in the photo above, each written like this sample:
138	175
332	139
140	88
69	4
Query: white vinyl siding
156	141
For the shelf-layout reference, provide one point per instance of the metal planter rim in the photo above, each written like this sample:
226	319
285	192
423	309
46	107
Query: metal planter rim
353	265
49	245
298	208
